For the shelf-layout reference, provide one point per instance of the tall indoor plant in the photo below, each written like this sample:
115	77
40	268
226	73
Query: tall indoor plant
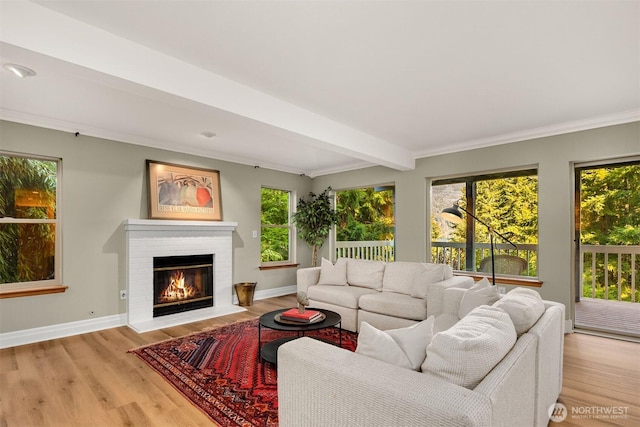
313	219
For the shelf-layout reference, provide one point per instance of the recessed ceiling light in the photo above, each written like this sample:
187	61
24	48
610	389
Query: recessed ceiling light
208	134
19	70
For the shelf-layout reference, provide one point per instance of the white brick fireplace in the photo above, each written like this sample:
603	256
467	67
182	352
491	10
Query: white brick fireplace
146	239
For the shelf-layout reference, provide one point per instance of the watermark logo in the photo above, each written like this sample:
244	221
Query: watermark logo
557	412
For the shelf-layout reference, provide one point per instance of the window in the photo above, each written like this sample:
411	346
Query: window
276	230
29	222
507	202
366	223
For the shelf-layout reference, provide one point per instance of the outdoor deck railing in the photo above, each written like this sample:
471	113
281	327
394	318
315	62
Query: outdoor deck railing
622	281
621	263
454	254
380	250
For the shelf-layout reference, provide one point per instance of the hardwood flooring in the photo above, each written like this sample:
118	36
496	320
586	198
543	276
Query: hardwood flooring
91	380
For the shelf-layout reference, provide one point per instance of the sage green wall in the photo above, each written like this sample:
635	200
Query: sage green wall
103	184
554	157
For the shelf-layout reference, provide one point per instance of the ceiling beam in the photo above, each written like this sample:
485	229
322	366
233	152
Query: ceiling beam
34	27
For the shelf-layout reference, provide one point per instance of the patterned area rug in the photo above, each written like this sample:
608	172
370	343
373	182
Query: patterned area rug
220	372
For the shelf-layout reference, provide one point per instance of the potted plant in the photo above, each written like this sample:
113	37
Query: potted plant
314	219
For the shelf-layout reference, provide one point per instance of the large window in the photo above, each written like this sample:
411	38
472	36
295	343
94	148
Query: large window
29	222
276	230
507	202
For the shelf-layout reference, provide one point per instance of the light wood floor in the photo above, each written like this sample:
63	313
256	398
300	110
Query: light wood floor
91	380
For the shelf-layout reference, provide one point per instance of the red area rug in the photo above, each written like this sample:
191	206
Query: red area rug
220	372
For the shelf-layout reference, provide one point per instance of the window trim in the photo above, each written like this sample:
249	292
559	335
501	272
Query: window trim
40	287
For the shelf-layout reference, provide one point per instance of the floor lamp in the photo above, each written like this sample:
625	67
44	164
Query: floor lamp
454	215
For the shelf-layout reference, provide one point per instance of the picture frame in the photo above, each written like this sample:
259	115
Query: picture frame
183	192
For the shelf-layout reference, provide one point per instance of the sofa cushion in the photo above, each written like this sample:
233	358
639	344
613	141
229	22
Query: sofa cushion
524	306
446	270
429	274
344	296
394	304
465	353
365	273
399	276
331	274
404	347
482	293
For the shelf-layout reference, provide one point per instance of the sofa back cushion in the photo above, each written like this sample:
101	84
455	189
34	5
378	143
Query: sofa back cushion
364	273
524	306
408	277
465	353
333	274
446	270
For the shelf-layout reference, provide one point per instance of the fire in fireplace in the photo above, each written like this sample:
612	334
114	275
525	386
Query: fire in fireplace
182	283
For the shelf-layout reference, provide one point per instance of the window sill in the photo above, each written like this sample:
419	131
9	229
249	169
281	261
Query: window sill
32	291
516	281
275	267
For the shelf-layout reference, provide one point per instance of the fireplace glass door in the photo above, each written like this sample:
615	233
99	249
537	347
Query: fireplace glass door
182	283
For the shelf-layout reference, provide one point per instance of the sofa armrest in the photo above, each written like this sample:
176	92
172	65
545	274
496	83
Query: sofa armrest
307	277
549	333
322	385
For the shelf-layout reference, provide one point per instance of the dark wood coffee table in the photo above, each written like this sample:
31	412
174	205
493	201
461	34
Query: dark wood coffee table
269	351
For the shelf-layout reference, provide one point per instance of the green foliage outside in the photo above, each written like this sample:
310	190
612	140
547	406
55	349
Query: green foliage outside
610	215
510	206
365	215
274	217
27	191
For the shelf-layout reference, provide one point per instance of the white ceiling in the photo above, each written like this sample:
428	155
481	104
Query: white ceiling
315	87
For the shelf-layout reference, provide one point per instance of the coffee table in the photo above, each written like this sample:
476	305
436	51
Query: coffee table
269	351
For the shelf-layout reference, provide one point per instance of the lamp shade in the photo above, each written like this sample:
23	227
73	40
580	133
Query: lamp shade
452	214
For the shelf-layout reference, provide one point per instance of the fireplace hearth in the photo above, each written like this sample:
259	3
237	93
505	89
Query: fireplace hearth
182	283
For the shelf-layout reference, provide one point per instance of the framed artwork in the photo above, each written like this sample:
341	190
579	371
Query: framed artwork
183	192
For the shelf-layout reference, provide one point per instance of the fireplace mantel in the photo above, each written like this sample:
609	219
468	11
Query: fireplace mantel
151	225
146	239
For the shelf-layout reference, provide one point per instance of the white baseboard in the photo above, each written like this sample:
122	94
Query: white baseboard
568	326
45	333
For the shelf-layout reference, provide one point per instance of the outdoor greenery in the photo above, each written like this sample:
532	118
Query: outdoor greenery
313	219
365	214
610	215
509	205
275	230
27	191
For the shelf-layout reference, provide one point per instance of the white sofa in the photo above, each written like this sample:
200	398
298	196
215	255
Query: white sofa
323	385
385	295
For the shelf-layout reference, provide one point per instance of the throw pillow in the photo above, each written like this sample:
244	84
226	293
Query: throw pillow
465	353
482	293
404	347
365	273
331	274
524	306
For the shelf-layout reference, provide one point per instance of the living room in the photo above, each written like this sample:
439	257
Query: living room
104	184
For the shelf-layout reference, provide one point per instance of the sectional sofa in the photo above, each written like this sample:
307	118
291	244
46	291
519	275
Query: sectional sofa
385	295
497	364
